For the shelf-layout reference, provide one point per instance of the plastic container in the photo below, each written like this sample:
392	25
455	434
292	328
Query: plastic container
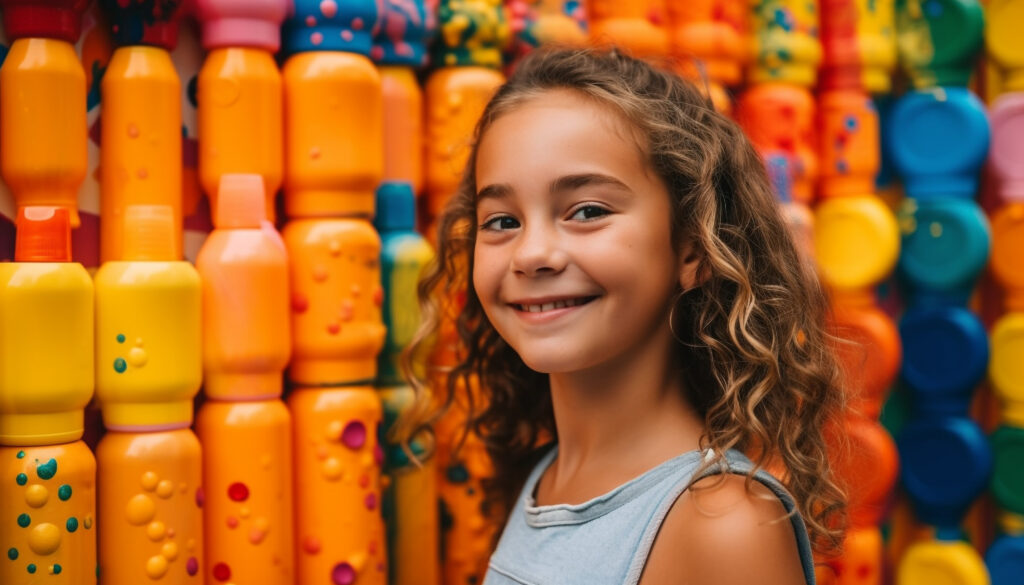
336	301
858	39
856	241
49	19
247	510
925	562
945	354
869	352
46	334
1008	477
785	42
150	508
534	24
141	134
1005	560
316	25
148	329
636	25
1004	43
1006	158
1007	243
338	455
404	255
939	40
867	467
48	511
243	265
141	22
849	143
253	23
710	37
1006	369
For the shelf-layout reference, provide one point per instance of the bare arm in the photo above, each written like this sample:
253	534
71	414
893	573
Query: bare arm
719	533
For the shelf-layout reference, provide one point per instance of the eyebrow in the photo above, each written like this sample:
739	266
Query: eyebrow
561	184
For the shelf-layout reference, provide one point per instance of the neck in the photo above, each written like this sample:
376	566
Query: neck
629	413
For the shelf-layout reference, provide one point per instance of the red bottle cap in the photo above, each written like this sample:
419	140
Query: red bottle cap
43	235
50	19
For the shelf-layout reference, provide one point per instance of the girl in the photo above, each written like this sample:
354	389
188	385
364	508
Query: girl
640	323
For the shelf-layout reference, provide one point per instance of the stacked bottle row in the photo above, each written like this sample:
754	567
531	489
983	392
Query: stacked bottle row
936	138
1005	556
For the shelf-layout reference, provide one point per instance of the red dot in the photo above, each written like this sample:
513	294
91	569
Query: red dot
300	304
311	545
371	501
238	492
221	572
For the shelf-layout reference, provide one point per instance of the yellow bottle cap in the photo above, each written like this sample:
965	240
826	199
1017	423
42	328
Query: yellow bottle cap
942	563
1007	369
856	241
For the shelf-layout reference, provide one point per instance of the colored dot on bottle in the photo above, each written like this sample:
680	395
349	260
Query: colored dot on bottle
47	470
120	365
64	492
57	569
21	454
221	572
22	479
238	492
192	566
12	553
120	338
31	568
24	520
72	524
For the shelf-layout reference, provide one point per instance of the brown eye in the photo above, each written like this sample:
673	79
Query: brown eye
500	223
589	212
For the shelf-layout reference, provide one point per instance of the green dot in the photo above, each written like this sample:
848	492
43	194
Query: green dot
64	492
12	553
21	454
47	470
120	365
24	520
22	479
120	337
72	524
57	569
31	568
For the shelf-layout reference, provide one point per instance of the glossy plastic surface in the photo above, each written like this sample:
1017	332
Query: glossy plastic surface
938	40
330	25
242	23
856	241
945	353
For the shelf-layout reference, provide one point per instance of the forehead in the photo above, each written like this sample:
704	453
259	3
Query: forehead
554	130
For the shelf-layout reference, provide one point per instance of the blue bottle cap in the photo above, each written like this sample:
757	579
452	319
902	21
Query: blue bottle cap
938	139
1005	560
945	245
945	464
330	25
395	207
404	33
945	354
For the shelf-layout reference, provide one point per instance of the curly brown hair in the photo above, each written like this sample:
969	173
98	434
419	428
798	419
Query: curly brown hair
755	357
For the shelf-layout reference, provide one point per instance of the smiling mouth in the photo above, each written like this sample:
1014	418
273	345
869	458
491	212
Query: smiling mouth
559	304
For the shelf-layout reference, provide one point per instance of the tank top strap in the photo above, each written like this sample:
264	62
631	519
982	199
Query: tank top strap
737	463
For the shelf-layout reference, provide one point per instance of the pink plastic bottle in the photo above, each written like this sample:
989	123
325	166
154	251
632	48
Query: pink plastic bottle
1006	157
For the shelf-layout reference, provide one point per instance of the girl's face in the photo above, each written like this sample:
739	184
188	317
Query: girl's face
574	263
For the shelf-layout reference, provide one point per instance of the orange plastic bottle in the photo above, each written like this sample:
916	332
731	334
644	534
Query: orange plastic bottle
248	509
240	94
636	25
849	139
243	265
709	38
333	116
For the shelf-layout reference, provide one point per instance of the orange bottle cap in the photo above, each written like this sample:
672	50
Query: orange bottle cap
43	234
240	202
148	233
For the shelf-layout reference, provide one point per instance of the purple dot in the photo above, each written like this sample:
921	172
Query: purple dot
371	501
200	497
192	566
378	455
343	574
354	435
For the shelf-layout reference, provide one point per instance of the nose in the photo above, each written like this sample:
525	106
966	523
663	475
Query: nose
539	250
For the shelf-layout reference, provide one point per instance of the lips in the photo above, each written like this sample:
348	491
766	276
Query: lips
544	305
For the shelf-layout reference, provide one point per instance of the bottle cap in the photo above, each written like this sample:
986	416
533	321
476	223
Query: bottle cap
137	22
331	25
1006	368
1007	243
931	452
49	19
1008	477
148	233
405	30
938	139
473	32
240	202
856	241
945	245
253	23
395	207
939	40
945	354
1007	152
1005	558
43	235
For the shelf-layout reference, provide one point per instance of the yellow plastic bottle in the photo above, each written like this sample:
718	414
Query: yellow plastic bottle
856	242
43	129
46	361
785	45
148	328
340	536
150	507
1004	42
46	334
140	163
248	500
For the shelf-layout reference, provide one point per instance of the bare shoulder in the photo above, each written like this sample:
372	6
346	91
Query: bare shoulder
720	532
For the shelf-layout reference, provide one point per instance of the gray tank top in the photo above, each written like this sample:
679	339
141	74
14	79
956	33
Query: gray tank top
607	539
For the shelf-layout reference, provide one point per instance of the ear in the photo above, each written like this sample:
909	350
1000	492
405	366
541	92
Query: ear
690	275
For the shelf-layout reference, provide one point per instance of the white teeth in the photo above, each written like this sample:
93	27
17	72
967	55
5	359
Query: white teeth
561	304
